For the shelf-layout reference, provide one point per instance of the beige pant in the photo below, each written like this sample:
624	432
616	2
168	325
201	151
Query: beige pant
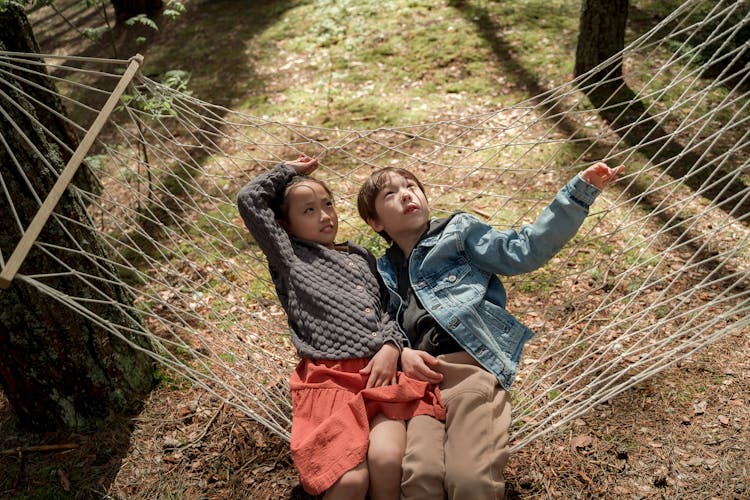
464	456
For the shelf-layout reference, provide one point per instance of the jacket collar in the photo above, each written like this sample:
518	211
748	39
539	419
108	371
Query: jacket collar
430	236
435	227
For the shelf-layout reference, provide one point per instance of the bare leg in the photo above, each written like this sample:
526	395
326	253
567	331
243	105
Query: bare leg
387	445
352	485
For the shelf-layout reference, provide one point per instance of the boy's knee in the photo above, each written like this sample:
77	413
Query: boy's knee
460	477
474	482
461	480
423	467
419	473
423	478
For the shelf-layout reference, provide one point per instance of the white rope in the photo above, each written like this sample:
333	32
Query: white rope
659	270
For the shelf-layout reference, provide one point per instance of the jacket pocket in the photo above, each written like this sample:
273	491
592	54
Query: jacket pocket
509	333
460	285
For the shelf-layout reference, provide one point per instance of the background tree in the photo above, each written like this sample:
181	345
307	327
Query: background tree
43	90
601	35
134	20
57	368
125	9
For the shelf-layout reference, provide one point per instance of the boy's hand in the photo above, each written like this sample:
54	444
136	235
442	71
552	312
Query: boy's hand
303	165
416	364
382	367
600	175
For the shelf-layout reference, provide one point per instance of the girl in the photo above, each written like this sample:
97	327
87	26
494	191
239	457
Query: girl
346	392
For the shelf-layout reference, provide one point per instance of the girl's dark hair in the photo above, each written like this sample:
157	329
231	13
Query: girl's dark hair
280	204
373	185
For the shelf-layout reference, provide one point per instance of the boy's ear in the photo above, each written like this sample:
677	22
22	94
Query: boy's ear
375	225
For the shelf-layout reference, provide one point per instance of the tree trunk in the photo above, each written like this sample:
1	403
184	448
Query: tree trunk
59	368
42	89
601	35
125	9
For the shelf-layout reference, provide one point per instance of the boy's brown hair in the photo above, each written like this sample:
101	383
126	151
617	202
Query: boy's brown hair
373	185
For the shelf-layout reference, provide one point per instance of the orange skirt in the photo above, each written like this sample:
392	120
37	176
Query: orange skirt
332	411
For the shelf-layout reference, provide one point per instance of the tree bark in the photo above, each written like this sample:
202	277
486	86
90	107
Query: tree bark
125	9
59	368
41	88
601	35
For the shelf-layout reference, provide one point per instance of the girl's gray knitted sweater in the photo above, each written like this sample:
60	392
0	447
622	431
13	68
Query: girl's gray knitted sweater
335	299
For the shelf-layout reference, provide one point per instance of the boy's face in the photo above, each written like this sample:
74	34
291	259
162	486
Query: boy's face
402	208
311	215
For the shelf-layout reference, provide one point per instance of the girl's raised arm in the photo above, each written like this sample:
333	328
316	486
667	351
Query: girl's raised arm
254	203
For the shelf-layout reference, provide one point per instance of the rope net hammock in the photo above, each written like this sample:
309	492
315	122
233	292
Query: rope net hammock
659	270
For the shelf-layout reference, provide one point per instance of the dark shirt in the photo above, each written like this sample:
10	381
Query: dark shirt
423	332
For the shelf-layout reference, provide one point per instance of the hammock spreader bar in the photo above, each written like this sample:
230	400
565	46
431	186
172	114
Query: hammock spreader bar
66	176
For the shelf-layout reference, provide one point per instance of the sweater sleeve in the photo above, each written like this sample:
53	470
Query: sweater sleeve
254	201
388	325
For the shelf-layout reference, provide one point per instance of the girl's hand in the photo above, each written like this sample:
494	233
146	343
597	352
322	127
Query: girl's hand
600	175
382	367
303	165
416	364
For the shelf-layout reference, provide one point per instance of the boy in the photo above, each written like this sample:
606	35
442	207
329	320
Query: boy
442	278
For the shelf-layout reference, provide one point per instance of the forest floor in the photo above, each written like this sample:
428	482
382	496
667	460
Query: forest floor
683	433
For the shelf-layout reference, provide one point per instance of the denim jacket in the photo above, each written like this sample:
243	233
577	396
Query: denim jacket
454	275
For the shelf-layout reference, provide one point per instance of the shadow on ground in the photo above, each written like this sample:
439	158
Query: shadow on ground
45	465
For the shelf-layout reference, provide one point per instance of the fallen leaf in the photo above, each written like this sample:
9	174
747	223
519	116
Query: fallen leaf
262	469
64	481
700	408
710	463
581	441
259	439
170	442
174	458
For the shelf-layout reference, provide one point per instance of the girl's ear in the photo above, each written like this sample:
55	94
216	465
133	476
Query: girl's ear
375	225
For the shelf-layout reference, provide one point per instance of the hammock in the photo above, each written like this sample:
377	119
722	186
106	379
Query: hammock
659	270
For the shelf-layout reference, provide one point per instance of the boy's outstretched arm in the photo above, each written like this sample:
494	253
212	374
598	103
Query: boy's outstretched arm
511	252
600	175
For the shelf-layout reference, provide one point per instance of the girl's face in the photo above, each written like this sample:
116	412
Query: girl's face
311	215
